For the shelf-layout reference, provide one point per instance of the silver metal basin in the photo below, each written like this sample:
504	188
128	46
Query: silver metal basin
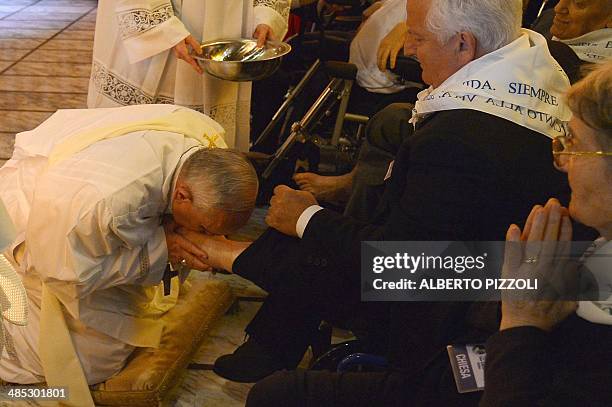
240	60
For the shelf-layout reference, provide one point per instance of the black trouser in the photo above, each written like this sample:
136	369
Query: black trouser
303	289
435	387
322	389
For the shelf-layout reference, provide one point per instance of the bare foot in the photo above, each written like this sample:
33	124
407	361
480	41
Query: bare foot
326	188
220	251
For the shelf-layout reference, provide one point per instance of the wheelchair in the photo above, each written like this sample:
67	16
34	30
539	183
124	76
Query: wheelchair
335	134
326	137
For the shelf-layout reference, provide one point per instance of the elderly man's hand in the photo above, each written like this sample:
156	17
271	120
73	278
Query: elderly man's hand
286	206
263	33
180	250
541	252
181	50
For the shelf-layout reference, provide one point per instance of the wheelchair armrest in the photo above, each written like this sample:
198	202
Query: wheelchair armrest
361	359
407	68
342	70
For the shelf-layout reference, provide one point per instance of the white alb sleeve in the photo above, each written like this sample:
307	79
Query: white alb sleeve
274	13
148	27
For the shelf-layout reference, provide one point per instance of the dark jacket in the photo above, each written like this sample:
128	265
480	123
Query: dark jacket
465	175
570	366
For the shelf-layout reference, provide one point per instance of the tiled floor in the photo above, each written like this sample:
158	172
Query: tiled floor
45	59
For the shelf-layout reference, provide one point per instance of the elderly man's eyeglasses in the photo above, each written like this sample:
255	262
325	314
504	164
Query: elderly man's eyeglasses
562	150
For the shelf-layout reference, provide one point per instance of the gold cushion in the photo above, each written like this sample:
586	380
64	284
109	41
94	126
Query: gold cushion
151	375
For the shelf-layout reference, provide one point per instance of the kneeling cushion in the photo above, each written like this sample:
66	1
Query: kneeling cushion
150	375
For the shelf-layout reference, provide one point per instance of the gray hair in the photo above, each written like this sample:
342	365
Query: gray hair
494	23
220	178
591	100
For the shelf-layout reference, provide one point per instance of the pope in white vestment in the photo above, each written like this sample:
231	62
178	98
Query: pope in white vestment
133	62
87	191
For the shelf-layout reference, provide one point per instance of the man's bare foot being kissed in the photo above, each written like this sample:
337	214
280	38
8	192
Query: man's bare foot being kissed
326	188
220	252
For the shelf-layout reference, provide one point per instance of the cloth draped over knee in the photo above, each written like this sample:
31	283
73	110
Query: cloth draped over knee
62	368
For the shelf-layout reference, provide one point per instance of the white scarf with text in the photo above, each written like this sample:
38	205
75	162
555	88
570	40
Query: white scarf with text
594	47
520	82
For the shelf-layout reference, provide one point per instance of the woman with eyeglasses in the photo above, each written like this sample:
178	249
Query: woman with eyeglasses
551	352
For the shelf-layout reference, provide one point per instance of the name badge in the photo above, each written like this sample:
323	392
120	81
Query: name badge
389	170
467	362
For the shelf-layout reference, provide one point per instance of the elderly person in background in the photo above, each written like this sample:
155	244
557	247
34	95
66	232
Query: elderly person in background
97	197
558	352
586	26
143	54
379	39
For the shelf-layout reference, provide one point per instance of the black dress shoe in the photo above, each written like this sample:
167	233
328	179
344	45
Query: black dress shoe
249	363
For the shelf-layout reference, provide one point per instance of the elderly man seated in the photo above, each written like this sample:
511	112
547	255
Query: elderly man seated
97	197
581	28
480	153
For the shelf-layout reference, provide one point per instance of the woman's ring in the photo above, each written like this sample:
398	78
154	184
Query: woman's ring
530	260
184	263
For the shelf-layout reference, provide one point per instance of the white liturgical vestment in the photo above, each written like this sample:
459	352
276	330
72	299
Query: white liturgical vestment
89	227
133	61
